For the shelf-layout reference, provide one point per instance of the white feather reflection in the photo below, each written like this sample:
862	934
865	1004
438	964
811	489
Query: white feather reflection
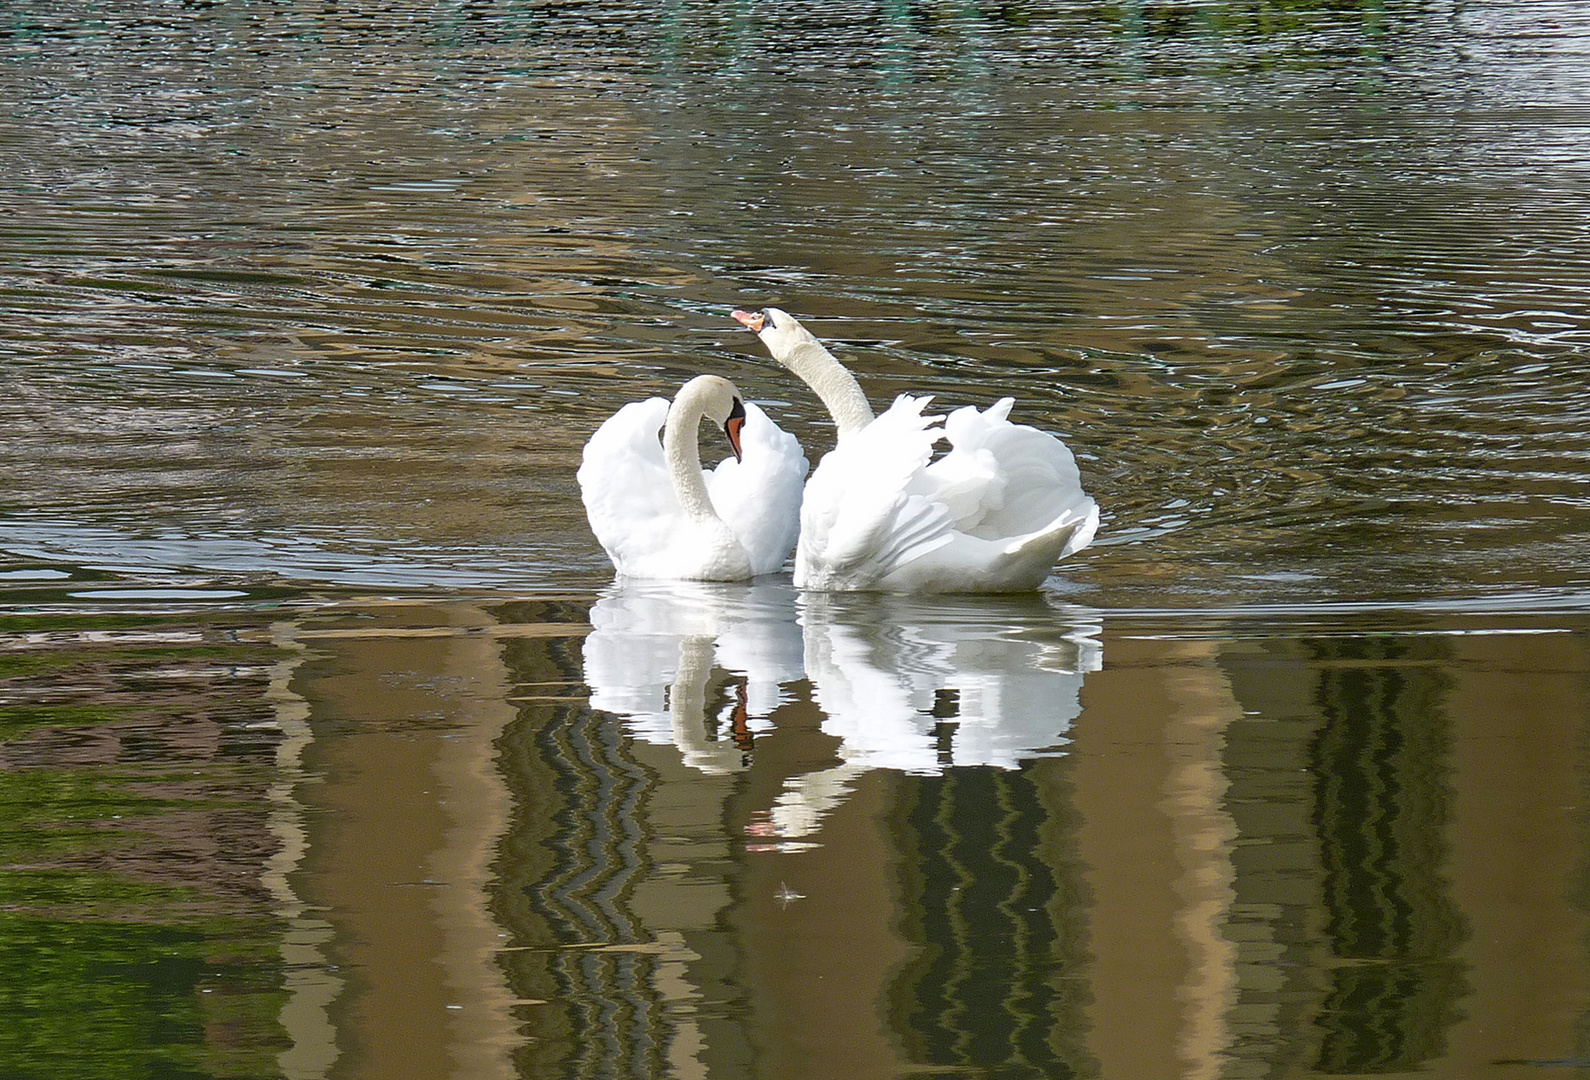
1002	676
919	685
652	651
914	685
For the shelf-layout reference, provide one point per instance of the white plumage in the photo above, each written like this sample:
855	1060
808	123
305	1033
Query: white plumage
994	514
658	515
658	653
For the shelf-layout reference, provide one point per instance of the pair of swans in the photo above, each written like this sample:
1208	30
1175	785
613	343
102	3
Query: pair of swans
878	513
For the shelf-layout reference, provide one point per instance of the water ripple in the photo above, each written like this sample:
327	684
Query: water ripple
1307	299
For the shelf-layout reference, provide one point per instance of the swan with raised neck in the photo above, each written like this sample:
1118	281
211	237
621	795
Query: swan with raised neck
879	512
793	346
706	397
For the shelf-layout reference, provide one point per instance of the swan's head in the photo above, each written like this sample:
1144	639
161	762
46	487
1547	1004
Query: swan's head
778	330
720	402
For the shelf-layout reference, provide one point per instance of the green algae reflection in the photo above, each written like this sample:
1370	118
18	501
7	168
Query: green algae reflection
135	938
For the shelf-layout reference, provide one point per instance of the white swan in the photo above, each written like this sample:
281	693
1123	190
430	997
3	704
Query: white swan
993	515
657	515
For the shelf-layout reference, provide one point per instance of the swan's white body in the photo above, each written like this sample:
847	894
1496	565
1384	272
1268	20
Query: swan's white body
658	515
992	515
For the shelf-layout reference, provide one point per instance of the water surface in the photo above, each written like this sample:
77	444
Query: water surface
340	297
328	750
730	830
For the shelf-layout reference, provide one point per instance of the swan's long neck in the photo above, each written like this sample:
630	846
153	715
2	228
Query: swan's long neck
833	383
683	453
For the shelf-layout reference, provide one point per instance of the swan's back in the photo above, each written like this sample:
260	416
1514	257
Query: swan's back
993	515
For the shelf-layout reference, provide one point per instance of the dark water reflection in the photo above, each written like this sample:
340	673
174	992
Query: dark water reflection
326	750
396	838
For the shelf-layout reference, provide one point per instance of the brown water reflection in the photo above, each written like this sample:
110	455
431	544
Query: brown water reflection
413	810
1315	848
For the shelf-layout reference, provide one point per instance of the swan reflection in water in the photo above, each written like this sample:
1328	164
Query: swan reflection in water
910	684
921	684
651	655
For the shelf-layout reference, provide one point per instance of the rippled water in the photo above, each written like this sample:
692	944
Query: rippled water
308	312
317	297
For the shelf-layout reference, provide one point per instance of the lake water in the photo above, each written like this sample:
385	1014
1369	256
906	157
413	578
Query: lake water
327	748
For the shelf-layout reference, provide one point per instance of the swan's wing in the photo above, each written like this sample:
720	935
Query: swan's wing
861	516
624	483
1004	481
759	497
1016	502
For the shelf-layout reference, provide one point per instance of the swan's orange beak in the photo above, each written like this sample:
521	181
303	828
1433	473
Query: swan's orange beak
751	320
732	426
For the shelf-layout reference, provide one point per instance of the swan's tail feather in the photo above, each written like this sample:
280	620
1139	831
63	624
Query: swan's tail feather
967	563
1067	534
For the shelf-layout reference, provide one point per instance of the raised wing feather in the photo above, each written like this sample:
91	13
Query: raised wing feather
624	482
861	518
1004	480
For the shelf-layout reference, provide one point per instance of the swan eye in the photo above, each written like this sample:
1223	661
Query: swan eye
767	318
